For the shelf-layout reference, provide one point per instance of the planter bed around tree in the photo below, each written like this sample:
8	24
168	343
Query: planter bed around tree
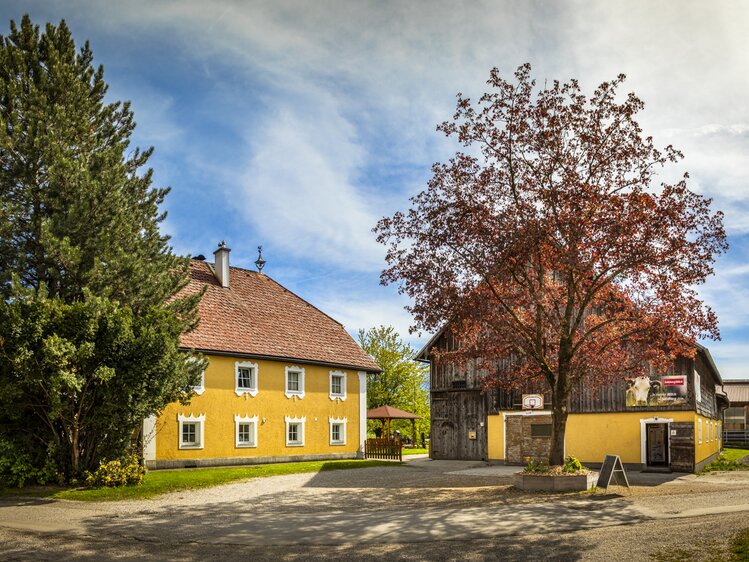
554	483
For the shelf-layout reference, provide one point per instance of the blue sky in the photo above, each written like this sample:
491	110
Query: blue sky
296	125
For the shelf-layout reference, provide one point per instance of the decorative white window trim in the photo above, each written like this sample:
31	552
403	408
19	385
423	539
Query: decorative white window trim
337	396
200	420
252	391
298	393
337	421
300	438
245	419
699	432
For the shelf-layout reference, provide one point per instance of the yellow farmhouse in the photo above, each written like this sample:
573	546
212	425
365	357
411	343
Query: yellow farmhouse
284	382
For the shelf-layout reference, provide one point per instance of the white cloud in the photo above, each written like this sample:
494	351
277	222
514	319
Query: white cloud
353	87
357	312
299	189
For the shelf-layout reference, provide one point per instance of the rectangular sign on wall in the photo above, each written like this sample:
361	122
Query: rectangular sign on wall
656	390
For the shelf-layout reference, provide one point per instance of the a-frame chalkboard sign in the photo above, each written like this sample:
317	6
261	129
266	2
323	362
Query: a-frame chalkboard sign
612	467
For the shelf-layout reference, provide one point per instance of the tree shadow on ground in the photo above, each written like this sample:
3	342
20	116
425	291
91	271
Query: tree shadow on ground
46	546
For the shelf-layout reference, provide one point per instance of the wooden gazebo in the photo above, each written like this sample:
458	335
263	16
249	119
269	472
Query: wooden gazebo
389	412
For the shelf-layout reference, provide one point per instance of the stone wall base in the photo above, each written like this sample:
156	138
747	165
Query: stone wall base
703	463
537	483
240	461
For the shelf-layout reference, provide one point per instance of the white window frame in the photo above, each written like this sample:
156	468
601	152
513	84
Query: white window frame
298	393
337	396
342	423
301	422
699	431
252	391
200	420
697	388
245	419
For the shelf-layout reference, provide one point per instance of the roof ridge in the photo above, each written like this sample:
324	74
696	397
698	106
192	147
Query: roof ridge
305	301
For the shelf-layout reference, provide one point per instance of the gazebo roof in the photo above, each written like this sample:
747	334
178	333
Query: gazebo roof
389	412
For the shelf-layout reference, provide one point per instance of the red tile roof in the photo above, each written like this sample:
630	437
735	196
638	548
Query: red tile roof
255	316
385	412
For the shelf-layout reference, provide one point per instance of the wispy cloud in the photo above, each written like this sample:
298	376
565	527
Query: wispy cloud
332	108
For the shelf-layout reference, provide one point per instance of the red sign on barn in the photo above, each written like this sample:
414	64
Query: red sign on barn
673	381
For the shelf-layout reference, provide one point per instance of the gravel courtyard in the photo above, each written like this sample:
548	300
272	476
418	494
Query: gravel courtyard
422	510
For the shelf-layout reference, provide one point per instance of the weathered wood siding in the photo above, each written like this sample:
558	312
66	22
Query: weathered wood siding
454	416
708	405
682	446
460	403
612	397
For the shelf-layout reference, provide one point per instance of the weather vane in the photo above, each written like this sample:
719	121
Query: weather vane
260	262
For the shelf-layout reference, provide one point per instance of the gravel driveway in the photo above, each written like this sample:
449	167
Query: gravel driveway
405	512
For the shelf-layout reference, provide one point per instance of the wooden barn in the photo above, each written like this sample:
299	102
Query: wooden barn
670	421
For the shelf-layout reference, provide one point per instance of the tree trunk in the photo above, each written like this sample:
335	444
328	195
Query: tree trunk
74	452
558	427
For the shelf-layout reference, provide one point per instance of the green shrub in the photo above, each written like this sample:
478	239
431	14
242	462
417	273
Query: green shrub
17	468
126	471
572	464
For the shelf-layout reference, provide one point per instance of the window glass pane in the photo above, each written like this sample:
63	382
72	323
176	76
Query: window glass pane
190	433
337	384
244	377
246	433
293	432
293	382
336	432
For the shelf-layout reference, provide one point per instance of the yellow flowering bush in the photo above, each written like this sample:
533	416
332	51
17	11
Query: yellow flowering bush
126	471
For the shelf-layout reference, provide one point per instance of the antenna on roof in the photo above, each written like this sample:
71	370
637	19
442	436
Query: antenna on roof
260	262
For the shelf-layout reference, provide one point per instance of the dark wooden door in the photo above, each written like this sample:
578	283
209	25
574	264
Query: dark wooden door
657	444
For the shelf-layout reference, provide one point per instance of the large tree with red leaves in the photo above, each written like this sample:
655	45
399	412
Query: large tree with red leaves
548	247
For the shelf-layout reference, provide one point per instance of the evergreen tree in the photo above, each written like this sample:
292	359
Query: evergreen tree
89	314
75	208
403	382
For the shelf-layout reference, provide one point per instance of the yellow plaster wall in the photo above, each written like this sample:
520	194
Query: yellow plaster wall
220	404
710	441
496	437
590	437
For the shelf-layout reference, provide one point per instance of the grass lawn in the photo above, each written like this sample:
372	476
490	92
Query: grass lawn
735	454
415	451
162	481
729	459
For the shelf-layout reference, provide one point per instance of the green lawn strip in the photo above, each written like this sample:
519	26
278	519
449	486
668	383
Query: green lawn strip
415	451
729	459
735	454
163	481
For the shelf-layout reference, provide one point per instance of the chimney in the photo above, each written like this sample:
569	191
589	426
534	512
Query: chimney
221	265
